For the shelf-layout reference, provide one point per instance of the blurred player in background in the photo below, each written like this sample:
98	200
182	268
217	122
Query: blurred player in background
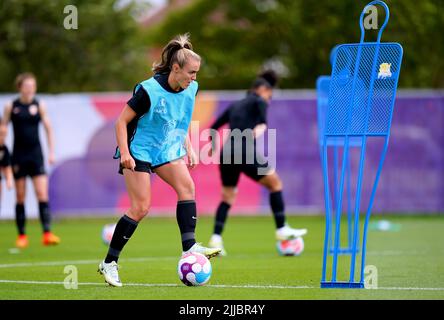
152	137
26	113
5	161
249	114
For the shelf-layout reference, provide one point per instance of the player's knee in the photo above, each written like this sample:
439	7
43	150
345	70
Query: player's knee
20	197
229	195
139	211
274	183
186	191
277	185
42	196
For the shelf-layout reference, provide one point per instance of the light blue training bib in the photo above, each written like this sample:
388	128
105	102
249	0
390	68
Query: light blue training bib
160	134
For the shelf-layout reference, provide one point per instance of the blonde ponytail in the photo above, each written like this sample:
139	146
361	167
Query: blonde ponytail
178	50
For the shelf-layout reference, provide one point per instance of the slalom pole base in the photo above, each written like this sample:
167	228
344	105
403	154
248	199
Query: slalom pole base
342	285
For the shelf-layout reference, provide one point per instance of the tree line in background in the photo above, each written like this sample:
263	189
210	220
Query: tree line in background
236	38
107	51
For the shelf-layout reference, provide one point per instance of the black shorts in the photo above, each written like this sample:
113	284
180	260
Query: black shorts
23	167
230	173
142	166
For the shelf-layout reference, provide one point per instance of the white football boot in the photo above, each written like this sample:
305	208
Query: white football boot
216	242
288	233
110	273
208	252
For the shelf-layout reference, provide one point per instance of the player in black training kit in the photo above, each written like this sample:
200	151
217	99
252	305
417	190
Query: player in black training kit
249	117
26	113
5	160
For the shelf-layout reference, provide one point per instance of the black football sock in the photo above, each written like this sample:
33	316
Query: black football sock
278	207
45	216
20	218
221	217
187	218
123	232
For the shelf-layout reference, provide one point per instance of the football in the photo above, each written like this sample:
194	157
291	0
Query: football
194	269
107	233
293	247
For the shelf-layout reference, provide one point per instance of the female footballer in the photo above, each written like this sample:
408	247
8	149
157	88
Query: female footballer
249	114
26	113
151	134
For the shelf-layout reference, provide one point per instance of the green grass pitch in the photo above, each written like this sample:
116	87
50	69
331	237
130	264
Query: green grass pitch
409	262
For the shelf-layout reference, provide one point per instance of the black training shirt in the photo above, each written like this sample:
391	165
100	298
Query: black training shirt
244	114
25	118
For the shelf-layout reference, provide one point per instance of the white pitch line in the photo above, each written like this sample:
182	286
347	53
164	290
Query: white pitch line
156	285
412	288
396	253
46	264
144	259
89	283
75	262
248	286
210	285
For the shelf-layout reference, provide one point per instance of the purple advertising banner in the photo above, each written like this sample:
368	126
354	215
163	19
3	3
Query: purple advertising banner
412	179
84	180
